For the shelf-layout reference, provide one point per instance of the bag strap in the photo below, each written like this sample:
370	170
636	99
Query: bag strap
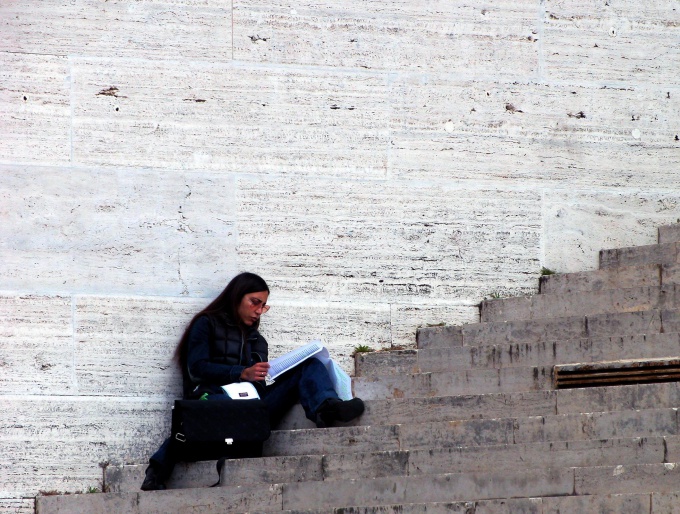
219	466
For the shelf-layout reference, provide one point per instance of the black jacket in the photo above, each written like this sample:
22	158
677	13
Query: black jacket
217	353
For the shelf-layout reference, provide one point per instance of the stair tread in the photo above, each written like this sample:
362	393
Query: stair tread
660	253
544	306
444	487
606	279
407	462
549	329
545	353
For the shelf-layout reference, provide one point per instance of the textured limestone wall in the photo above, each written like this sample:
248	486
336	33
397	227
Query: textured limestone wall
383	164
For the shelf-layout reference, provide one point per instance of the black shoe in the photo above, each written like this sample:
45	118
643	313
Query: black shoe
334	409
151	481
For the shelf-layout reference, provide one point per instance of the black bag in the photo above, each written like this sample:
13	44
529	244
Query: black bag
210	430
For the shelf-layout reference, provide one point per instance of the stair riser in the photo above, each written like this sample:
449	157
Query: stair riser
669	233
392	363
666	253
521	355
439	336
537	455
466	382
428	489
548	354
204	500
475	432
620	504
458	383
647	275
643	478
559	329
581	304
516	506
267	470
489	406
503	405
598	425
347	466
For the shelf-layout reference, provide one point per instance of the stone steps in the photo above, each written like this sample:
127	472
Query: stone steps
401	411
665	253
620	276
646	275
602	424
669	233
509	457
541	306
469	421
366	492
620	503
550	329
455	358
463	382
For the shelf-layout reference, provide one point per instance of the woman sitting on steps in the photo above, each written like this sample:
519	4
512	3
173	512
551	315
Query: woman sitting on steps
221	345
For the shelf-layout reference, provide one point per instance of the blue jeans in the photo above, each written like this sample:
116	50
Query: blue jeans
308	383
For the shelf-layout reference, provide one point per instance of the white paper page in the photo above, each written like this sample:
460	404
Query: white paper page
285	362
342	382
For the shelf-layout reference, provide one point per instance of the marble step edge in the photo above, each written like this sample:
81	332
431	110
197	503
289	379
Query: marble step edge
452	408
545	353
458	383
622	276
543	306
652	321
609	278
662	421
669	233
448	487
660	253
325	467
518	379
648	503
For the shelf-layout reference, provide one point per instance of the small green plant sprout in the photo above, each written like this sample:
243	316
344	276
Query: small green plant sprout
92	490
546	271
495	295
362	348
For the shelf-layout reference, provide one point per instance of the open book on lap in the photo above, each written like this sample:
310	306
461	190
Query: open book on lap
340	379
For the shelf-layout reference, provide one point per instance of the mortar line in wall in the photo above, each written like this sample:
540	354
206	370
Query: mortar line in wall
454	77
288	300
468	184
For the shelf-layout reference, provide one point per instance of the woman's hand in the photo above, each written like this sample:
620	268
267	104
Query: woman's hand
255	373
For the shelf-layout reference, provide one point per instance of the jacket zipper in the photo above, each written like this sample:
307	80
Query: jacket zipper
243	343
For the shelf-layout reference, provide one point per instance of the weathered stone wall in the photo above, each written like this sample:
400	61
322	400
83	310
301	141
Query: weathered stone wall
383	165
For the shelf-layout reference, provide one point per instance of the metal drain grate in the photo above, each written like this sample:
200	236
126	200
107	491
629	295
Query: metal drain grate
598	374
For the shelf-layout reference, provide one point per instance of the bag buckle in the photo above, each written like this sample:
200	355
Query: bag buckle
229	440
180	437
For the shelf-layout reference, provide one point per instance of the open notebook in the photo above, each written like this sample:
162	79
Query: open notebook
341	380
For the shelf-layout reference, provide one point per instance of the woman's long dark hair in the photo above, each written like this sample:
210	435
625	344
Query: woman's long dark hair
226	303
